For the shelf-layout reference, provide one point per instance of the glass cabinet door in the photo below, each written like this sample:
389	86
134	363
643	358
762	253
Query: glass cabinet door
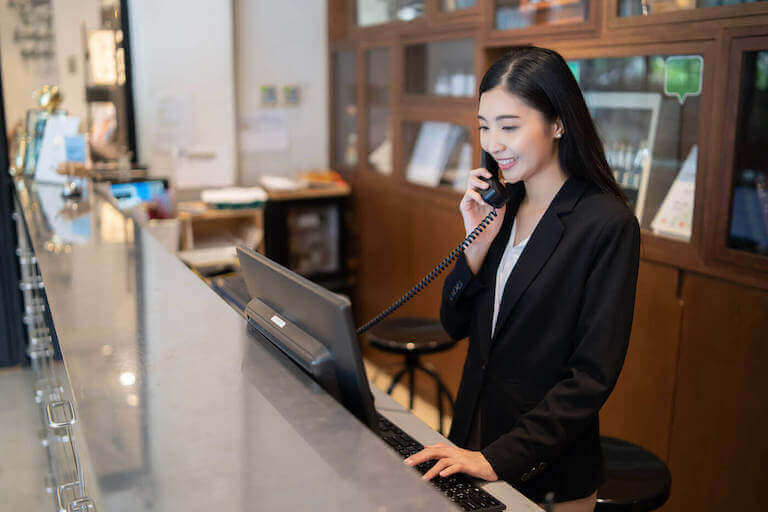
345	108
646	109
376	12
648	7
516	14
437	154
379	140
456	5
748	229
444	68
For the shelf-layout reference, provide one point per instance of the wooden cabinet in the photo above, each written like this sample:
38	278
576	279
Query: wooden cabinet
690	388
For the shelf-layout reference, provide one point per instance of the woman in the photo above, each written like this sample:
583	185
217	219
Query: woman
545	294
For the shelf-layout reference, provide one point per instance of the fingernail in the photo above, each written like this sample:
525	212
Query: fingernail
407	461
424	477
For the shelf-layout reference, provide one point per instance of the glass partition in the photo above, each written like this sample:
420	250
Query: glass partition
438	154
749	200
379	140
444	68
646	109
648	7
376	12
345	108
516	14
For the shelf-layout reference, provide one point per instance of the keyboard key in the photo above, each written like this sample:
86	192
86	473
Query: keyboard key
458	488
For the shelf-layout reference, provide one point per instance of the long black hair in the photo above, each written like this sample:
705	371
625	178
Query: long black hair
543	80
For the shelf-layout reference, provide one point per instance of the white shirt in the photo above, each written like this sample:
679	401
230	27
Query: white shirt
508	262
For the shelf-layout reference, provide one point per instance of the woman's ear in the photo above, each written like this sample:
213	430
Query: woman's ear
558	128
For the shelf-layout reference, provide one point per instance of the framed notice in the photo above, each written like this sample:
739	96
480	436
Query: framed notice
102	57
626	123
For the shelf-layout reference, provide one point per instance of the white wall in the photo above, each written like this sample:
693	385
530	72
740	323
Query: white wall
22	77
183	83
284	43
68	19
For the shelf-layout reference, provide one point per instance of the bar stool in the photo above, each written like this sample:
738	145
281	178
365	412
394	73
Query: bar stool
636	480
414	337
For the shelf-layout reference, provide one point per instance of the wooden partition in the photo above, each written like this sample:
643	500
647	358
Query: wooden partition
692	387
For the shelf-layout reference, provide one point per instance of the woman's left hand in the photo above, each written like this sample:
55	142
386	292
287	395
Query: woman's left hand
453	460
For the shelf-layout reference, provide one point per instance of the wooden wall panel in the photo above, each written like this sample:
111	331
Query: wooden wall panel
719	445
437	231
640	407
384	250
424	232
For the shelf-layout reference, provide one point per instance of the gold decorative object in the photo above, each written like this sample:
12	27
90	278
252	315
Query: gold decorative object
49	98
18	151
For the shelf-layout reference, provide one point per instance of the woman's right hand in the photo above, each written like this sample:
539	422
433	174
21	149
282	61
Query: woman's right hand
473	210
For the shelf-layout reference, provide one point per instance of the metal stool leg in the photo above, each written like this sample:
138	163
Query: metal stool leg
412	386
396	379
439	381
441	390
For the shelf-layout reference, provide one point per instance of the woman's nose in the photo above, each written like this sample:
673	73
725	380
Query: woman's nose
496	146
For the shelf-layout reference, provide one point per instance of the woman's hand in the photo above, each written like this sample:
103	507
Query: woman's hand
473	210
452	459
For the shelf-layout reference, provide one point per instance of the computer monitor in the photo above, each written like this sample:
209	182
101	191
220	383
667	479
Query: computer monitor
131	194
311	325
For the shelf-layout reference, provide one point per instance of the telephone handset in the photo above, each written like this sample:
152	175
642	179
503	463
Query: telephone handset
495	195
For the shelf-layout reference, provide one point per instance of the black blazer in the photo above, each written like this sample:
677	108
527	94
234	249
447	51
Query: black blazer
561	337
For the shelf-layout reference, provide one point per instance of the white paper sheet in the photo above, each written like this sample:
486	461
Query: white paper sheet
53	150
267	130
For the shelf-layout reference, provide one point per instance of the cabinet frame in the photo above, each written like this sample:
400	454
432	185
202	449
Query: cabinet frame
687	32
737	43
614	21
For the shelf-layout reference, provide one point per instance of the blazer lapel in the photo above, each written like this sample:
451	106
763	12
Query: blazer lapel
543	241
492	259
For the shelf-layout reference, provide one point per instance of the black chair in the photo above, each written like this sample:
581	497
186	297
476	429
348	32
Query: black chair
636	480
413	337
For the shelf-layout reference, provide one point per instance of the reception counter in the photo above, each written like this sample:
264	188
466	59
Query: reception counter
176	405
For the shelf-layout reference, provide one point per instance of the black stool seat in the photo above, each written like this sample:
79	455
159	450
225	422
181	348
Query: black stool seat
410	336
636	480
413	337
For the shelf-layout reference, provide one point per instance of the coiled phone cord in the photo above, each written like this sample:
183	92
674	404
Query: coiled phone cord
458	251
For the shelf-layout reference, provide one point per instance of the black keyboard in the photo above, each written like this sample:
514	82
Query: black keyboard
458	488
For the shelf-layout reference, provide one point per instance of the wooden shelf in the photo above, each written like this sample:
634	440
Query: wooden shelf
403	229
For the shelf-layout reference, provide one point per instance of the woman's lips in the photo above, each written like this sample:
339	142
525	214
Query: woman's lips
506	163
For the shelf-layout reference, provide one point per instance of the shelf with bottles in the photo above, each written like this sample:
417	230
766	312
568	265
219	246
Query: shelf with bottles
437	154
369	13
457	5
444	68
646	110
523	14
344	109
630	8
627	13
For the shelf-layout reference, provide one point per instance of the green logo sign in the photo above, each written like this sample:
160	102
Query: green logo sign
575	67
682	76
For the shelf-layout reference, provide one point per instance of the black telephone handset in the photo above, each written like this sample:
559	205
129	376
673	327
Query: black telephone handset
495	195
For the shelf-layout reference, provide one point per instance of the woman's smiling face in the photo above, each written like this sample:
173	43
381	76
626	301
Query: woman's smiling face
517	136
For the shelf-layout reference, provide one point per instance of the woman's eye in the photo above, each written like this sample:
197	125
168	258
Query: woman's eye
509	128
481	128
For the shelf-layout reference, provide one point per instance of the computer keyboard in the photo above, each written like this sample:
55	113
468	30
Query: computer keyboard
458	488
